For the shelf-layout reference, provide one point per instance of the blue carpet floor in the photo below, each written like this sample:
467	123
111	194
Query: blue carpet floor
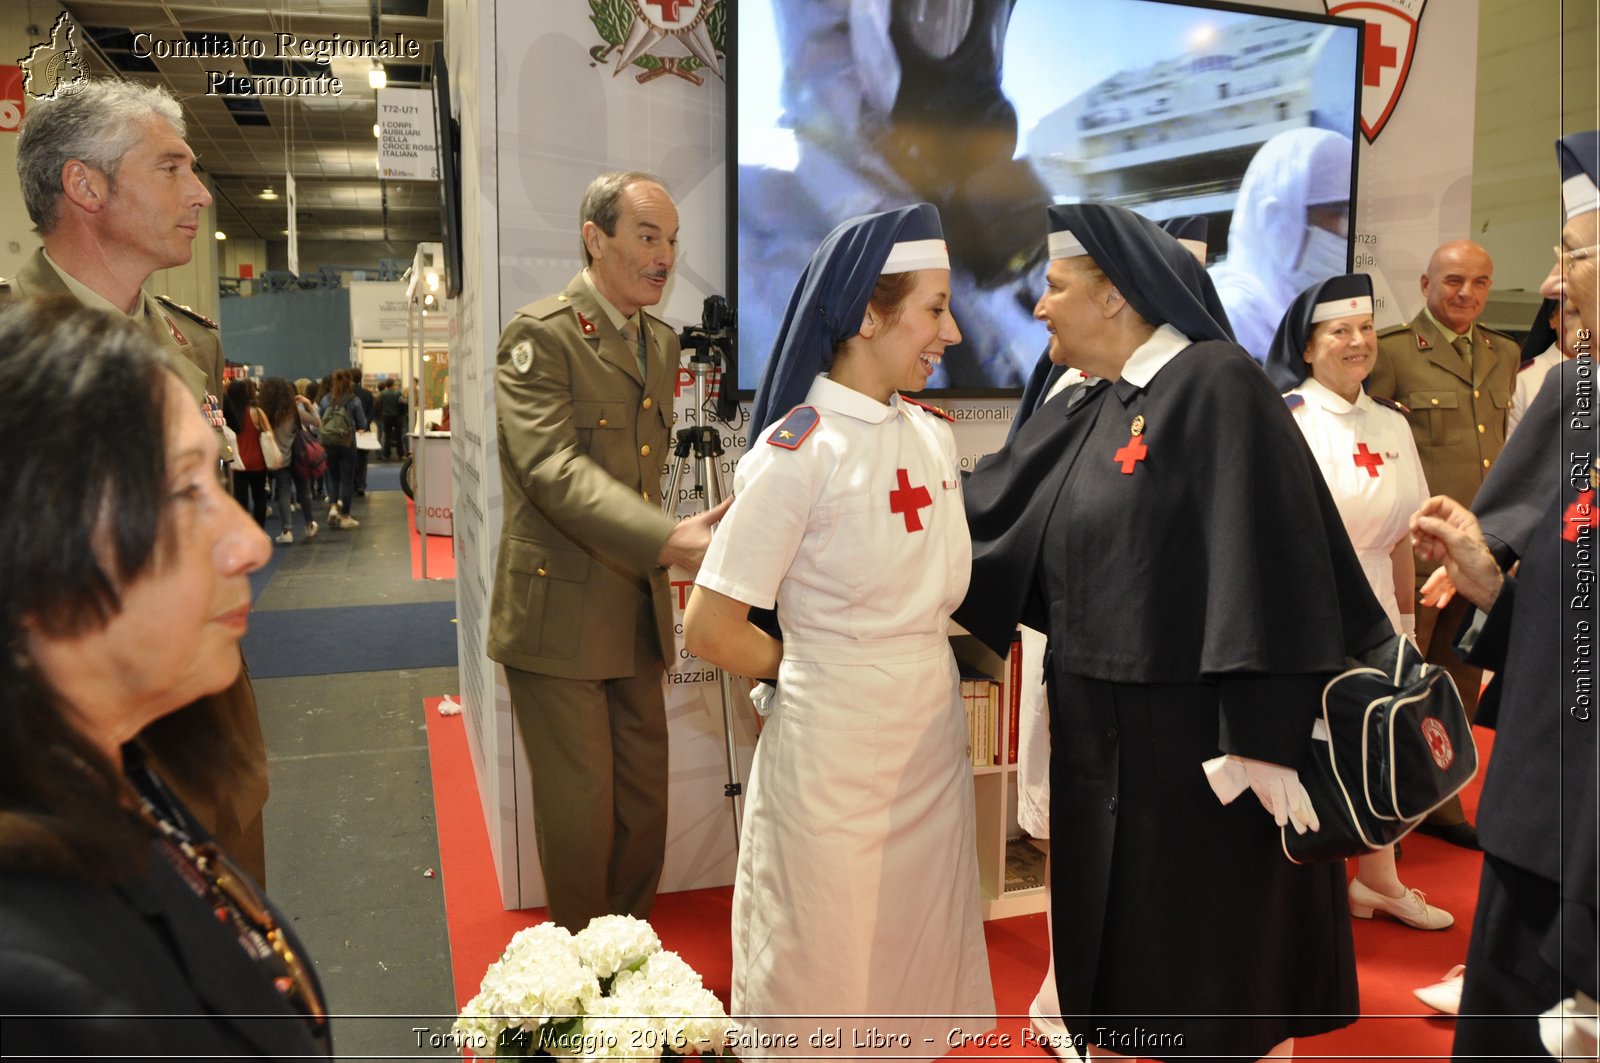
357	638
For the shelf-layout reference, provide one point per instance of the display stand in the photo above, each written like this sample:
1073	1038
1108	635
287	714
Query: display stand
431	453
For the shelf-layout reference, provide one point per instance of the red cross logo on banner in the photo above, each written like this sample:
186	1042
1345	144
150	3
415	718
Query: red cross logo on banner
1391	40
908	500
669	8
1131	455
1580	514
1378	58
1367	460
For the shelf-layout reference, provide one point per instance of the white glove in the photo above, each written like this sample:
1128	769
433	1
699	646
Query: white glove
1280	793
761	696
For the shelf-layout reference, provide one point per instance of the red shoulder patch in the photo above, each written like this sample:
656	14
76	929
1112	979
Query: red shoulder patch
1294	402
931	409
793	429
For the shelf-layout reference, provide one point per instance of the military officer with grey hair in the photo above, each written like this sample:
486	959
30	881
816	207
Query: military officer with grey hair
110	185
581	616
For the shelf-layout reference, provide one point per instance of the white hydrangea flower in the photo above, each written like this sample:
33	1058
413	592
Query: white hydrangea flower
612	943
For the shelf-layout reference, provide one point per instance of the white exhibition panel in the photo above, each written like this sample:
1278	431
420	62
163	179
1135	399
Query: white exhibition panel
540	117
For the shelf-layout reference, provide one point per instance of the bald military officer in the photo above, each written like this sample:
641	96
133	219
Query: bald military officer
1456	378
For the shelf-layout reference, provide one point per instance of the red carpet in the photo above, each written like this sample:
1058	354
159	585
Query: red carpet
1392	959
441	550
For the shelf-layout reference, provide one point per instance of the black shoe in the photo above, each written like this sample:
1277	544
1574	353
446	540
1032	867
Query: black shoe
1462	834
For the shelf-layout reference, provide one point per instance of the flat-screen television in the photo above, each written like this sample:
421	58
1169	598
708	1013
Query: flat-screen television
993	109
448	138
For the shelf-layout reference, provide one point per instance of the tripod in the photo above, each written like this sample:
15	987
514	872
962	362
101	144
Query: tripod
704	443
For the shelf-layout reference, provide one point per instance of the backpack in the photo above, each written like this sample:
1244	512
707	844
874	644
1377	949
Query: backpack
309	460
337	428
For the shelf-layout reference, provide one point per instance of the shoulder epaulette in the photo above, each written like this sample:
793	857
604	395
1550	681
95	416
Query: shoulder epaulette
793	429
190	311
931	409
1393	330
1496	332
1294	402
547	307
1398	407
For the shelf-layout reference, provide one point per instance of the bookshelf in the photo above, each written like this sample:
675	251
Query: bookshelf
1010	869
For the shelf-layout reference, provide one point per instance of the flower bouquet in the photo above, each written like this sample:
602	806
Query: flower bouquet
606	992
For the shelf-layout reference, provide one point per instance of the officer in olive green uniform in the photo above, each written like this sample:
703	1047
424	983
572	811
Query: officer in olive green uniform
103	239
1455	379
581	615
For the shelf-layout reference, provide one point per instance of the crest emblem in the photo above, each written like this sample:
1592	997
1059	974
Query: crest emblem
635	29
56	66
1390	41
522	355
1444	753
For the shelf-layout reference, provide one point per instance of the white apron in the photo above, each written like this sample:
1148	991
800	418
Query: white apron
856	906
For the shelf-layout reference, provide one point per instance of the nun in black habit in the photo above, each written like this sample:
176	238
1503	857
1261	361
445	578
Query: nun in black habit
1168	528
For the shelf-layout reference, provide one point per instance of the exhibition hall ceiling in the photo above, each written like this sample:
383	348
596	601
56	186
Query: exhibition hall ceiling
247	144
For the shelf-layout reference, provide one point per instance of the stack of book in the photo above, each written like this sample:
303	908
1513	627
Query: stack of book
993	708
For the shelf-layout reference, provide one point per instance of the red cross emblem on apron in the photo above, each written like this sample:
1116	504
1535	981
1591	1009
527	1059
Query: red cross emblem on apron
908	500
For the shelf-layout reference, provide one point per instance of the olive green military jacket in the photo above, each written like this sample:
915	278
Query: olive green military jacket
1457	416
192	337
582	442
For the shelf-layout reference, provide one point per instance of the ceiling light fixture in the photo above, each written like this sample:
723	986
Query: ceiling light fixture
377	77
267	193
377	130
221	235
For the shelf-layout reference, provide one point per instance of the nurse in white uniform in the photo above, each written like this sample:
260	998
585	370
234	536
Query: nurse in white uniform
857	921
1323	350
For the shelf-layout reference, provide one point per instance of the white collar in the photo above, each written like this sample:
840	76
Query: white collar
1316	391
828	395
1152	356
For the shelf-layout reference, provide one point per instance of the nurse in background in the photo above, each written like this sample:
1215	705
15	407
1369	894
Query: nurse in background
857	895
1324	349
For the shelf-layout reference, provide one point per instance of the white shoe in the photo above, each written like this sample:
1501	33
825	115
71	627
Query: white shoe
1052	1033
1445	994
286	537
347	522
1411	909
311	529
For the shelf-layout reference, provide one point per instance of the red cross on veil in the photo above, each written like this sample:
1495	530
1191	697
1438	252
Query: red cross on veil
1367	460
908	500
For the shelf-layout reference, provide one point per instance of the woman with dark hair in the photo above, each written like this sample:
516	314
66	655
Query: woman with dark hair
1167	527
288	413
240	412
342	418
857	887
126	595
1363	446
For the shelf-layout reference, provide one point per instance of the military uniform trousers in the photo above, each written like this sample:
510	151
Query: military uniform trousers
597	753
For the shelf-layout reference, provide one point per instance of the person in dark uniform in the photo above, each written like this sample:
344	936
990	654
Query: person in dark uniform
110	186
1455	376
1049	379
1129	526
1534	938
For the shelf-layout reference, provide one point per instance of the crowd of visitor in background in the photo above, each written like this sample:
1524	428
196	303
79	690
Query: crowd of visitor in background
276	473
